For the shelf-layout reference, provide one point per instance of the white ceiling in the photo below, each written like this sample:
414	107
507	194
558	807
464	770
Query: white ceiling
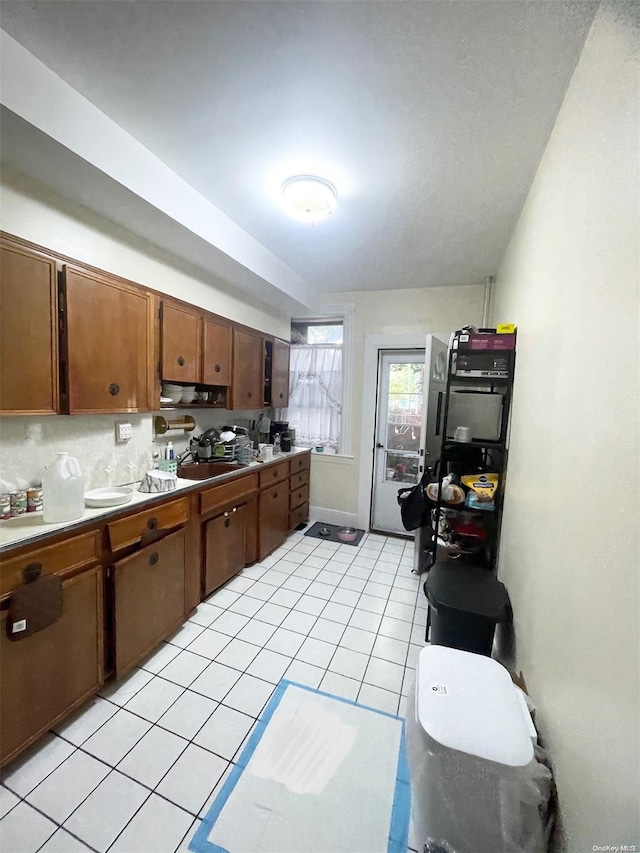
430	117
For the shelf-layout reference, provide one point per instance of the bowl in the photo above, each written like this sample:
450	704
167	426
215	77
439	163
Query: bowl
347	534
172	392
324	531
188	393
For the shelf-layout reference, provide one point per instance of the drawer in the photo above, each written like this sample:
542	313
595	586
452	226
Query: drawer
226	494
299	479
274	474
73	553
298	497
298	515
300	463
130	530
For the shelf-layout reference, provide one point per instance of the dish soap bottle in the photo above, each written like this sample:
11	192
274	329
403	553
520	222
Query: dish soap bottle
62	490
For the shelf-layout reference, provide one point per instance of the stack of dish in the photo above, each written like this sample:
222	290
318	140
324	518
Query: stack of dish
171	393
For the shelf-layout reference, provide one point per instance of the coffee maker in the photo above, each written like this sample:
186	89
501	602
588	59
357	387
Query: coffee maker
277	427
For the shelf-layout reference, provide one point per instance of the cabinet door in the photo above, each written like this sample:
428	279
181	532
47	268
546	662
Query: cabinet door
109	344
273	518
280	381
28	332
180	344
216	353
224	547
149	604
248	371
44	676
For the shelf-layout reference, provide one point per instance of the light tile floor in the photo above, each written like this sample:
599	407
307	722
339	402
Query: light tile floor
137	768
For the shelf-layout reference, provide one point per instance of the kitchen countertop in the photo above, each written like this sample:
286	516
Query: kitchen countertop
31	528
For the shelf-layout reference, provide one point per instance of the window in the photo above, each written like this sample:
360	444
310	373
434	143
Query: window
316	383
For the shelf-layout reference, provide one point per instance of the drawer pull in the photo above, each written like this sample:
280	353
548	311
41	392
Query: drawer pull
249	394
154	558
227	522
114	389
31	572
152	524
274	495
181	361
275	475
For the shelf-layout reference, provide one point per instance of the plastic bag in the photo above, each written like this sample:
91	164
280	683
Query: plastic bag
414	504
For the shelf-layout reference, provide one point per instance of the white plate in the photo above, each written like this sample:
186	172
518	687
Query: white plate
110	496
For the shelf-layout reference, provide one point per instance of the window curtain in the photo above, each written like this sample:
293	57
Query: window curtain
315	395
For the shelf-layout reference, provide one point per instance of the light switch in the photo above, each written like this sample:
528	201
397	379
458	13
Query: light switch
124	431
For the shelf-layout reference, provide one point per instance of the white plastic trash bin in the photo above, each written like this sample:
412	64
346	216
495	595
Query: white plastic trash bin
476	785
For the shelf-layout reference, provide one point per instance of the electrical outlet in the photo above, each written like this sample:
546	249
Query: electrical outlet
124	431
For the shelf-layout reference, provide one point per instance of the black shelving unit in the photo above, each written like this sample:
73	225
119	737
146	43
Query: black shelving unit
494	375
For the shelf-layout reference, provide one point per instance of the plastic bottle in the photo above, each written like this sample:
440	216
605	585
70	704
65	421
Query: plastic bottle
63	490
169	452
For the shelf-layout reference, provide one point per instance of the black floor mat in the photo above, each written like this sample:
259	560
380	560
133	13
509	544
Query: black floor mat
332	535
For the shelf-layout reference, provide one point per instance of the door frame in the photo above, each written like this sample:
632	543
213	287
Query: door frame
385	357
372	345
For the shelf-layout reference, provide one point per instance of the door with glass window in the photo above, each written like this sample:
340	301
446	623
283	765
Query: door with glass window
398	437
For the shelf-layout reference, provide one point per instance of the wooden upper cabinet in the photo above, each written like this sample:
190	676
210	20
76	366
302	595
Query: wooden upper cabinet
216	353
248	371
180	344
280	375
28	331
109	344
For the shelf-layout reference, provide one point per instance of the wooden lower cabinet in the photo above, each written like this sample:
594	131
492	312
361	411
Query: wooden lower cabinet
224	547
149	598
46	675
273	518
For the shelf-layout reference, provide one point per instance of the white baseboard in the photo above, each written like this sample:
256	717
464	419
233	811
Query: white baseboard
333	516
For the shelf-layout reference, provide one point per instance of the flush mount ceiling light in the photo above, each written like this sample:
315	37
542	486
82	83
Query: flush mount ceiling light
308	198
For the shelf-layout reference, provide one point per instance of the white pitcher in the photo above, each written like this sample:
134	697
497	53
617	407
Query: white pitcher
63	490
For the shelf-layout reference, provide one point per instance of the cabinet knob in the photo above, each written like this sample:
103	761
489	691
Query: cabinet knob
31	572
217	368
227	522
249	393
281	396
274	495
114	389
275	475
154	558
152	523
181	361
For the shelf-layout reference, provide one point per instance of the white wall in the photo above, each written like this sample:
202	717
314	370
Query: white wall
569	547
34	212
410	312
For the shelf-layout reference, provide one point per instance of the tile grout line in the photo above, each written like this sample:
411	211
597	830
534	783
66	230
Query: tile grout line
291	608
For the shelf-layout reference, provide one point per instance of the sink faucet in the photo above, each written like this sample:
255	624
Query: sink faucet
185	455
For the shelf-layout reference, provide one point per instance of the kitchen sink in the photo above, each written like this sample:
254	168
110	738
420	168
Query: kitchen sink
204	470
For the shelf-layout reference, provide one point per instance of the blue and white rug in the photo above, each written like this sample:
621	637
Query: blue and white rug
319	774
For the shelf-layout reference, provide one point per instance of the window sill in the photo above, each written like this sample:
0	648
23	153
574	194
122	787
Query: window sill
336	458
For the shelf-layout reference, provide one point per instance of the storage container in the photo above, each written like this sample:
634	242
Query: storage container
476	785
